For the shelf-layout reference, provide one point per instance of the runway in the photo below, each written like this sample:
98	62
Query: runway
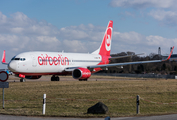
70	78
160	117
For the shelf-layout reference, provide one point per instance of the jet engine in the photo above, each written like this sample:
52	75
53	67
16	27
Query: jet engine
81	73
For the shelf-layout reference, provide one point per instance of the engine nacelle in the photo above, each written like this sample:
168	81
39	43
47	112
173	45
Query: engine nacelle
81	73
33	77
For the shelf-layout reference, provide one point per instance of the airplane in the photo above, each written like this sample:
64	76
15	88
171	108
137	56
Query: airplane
32	65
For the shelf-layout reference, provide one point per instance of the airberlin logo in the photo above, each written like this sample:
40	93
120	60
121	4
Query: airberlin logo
56	60
108	39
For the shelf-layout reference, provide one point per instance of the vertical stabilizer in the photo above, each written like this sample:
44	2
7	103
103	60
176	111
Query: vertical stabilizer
4	58
105	47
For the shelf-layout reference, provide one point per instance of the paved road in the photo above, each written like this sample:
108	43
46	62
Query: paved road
162	117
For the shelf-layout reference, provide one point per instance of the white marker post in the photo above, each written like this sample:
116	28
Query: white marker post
137	104
44	104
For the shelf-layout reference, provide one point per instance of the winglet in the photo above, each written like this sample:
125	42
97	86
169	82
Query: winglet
4	58
169	55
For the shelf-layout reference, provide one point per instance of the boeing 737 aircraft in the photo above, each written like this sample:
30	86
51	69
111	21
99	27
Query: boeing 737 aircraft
32	65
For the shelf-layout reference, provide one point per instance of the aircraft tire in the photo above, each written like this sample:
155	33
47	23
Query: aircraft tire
82	79
57	79
53	78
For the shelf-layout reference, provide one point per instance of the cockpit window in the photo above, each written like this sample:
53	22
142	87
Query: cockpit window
21	59
16	58
13	58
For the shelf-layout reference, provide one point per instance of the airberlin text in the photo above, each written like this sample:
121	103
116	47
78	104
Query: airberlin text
56	60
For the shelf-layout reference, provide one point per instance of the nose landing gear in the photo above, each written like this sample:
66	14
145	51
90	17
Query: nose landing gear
55	78
22	80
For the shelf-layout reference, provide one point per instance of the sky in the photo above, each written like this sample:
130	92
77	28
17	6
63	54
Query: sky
140	26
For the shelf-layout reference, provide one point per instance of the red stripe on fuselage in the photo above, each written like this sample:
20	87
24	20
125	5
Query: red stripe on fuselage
31	74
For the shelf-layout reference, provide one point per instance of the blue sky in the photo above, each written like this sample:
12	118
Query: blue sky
78	25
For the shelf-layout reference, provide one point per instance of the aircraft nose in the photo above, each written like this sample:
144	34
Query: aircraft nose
12	66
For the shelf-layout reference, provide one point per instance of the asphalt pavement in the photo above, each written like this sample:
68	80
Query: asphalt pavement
160	117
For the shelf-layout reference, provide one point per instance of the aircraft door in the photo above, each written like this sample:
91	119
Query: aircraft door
71	62
34	64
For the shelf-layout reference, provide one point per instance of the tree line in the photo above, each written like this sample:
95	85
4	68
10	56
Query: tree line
163	68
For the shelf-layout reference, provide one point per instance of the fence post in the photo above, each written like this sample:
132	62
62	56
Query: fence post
137	105
44	104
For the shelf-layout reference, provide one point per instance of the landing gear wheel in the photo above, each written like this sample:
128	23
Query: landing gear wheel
82	79
22	80
53	78
57	78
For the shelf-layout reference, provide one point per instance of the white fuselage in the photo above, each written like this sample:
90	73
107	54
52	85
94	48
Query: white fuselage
40	63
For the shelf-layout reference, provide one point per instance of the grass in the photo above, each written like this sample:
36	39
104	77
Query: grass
73	98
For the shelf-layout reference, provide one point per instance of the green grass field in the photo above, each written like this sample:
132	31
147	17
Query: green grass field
73	98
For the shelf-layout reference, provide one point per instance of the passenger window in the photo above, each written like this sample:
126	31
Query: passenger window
22	59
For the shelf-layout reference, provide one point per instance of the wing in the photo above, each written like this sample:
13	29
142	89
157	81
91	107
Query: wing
70	69
121	64
130	63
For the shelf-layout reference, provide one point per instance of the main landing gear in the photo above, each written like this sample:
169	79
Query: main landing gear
82	79
53	78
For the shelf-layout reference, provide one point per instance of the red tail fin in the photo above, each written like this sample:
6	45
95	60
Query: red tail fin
4	57
105	47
